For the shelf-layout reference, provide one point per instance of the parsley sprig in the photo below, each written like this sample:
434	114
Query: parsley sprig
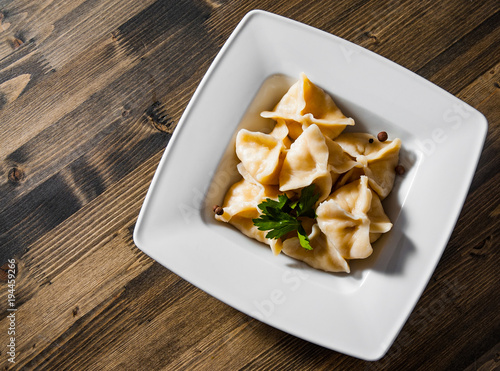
281	217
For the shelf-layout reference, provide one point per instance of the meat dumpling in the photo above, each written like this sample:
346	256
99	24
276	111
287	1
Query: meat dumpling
377	160
339	162
323	256
305	104
261	154
241	206
346	219
280	132
306	162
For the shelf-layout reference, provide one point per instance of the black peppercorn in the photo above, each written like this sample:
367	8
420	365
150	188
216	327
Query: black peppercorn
382	136
218	210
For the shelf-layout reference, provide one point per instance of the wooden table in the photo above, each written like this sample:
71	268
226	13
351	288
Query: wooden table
90	92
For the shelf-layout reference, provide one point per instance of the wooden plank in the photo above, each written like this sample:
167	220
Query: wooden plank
475	51
490	361
148	90
82	232
55	32
81	291
62	29
78	265
78	84
120	125
20	71
388	28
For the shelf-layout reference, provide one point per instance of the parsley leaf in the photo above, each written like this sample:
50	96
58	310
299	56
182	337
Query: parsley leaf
305	205
281	217
269	204
303	239
277	223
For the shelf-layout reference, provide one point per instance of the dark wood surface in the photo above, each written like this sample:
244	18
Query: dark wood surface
90	92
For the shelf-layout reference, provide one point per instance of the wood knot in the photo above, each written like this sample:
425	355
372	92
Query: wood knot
114	35
486	243
3	272
16	175
371	36
16	43
6	269
160	120
3	25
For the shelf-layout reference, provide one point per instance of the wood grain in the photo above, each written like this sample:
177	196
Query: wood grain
90	93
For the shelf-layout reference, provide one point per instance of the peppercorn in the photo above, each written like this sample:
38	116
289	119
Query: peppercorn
371	140
218	210
382	136
400	170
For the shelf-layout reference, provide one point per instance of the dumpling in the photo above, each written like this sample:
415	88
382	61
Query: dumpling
342	217
305	104
376	159
306	162
242	199
246	226
338	161
261	154
346	219
241	206
323	256
379	221
280	132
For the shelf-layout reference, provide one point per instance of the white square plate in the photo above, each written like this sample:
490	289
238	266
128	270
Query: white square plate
359	314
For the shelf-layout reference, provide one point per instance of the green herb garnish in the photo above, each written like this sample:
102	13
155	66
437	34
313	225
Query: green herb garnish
281	217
